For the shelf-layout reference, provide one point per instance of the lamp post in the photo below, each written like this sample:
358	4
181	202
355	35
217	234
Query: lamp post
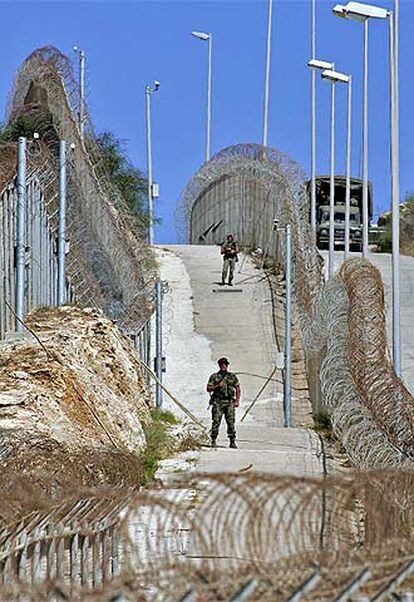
313	121
316	64
337	77
148	91
267	73
81	115
362	13
21	234
207	37
61	288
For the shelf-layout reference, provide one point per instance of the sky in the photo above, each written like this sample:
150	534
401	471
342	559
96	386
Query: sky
130	44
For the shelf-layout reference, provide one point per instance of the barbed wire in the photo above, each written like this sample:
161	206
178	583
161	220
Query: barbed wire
105	237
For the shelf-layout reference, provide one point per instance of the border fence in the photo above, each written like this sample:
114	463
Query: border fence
245	188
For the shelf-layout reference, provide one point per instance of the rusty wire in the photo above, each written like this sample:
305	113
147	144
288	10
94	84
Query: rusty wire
212	533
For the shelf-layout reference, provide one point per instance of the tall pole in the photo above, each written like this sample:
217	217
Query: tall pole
61	292
313	122
149	168
82	93
348	169
267	73
395	191
332	188
208	124
287	394
365	146
158	342
20	233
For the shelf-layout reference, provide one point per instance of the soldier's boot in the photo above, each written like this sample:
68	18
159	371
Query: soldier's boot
214	443
233	443
230	282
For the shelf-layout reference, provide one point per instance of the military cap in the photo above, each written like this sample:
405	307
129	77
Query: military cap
223	360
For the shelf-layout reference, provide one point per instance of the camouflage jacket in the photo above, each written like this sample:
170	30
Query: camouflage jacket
228	391
229	250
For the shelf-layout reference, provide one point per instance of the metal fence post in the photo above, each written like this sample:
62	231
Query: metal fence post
115	550
158	341
21	233
61	300
288	334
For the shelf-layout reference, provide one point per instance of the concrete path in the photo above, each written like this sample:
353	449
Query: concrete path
203	321
383	262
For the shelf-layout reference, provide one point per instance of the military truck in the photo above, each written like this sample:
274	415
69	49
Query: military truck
355	215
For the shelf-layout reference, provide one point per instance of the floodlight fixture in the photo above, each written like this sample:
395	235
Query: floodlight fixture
317	64
201	35
335	76
357	11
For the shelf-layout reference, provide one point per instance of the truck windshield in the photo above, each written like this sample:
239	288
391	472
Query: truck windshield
340	217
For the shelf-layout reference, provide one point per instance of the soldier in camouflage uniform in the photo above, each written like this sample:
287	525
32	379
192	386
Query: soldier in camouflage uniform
229	250
225	397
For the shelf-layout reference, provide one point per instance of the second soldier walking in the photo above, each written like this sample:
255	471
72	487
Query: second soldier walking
229	250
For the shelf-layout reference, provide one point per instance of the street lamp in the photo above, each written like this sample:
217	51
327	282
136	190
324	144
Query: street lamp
81	114
148	91
336	77
207	37
362	13
318	65
313	121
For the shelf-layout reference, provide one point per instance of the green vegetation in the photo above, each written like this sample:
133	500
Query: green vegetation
160	443
164	416
129	180
24	125
323	424
385	238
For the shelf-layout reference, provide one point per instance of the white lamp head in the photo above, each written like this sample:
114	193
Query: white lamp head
360	12
339	11
335	76
156	84
317	64
201	35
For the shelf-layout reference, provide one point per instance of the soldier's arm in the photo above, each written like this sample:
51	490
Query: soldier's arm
238	393
212	386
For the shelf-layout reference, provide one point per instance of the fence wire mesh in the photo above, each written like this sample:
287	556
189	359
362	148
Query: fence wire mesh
109	260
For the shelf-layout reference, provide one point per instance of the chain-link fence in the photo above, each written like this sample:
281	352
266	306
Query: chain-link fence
107	243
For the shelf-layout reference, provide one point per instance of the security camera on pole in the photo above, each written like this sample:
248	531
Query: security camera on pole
152	188
81	114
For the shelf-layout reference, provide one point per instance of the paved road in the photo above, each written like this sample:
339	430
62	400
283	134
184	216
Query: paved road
204	321
383	262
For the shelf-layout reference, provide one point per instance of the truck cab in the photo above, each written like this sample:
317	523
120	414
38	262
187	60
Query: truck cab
355	213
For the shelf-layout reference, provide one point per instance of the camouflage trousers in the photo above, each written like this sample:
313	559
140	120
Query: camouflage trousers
228	268
218	409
